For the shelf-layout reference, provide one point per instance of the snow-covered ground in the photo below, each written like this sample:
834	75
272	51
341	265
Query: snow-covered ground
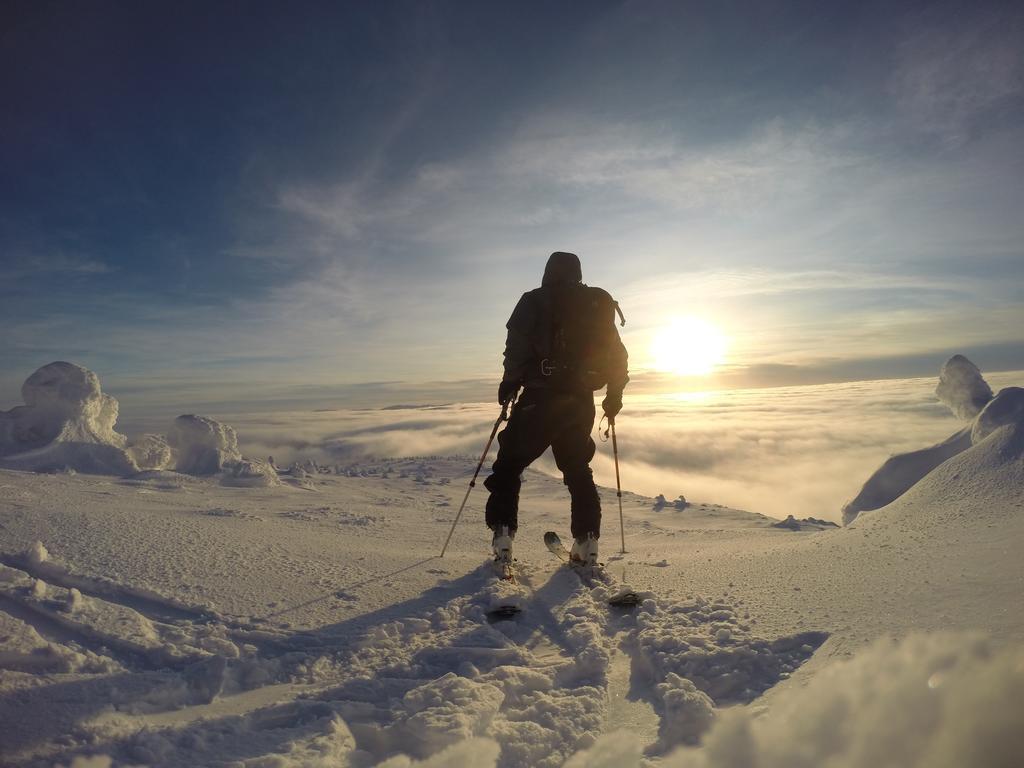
163	618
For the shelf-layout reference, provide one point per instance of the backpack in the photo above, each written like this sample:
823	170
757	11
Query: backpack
581	337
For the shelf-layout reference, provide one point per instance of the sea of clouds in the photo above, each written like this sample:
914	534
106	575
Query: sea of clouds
794	450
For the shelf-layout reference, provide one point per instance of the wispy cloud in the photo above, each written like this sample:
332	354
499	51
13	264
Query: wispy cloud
949	80
21	265
656	163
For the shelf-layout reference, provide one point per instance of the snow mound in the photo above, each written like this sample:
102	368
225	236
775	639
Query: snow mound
962	387
67	422
689	712
1007	408
982	486
901	472
941	701
249	473
37	553
446	711
203	445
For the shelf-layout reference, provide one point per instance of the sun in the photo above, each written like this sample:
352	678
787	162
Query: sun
688	346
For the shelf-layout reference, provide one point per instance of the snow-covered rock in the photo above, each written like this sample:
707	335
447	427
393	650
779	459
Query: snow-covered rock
152	452
790	523
249	473
64	393
67	422
203	445
962	387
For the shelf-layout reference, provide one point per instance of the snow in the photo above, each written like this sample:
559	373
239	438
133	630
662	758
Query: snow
1005	410
37	554
689	712
177	619
926	701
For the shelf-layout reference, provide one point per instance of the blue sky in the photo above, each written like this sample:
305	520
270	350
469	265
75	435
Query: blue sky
320	201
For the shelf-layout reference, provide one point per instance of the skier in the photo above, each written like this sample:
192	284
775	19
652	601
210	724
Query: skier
562	345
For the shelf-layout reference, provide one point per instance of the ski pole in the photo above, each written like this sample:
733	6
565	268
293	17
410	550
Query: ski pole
483	457
618	485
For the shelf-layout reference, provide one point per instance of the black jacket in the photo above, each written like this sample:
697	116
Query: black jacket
528	344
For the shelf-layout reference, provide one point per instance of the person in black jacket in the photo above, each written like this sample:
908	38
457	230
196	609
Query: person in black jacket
562	345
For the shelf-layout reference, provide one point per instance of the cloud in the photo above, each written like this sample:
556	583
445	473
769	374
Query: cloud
799	450
565	171
47	265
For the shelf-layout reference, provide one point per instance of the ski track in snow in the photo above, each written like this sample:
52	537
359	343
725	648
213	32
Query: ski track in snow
443	672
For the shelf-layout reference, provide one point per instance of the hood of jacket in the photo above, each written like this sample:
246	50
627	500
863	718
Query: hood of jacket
562	267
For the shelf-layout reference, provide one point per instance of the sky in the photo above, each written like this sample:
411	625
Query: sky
322	204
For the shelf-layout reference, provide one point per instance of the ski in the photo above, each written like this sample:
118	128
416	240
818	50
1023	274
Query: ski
622	595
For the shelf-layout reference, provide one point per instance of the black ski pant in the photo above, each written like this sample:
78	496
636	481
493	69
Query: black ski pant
543	418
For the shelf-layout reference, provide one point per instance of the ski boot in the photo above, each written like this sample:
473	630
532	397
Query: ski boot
584	551
502	545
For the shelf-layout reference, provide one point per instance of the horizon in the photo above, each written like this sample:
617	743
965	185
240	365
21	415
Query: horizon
149	400
324	199
801	450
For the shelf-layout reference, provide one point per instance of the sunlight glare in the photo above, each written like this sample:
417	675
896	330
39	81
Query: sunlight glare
688	346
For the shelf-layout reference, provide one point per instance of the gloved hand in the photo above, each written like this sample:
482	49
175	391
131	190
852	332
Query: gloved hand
506	390
612	404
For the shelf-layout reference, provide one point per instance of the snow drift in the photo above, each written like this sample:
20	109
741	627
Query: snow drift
67	423
963	389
